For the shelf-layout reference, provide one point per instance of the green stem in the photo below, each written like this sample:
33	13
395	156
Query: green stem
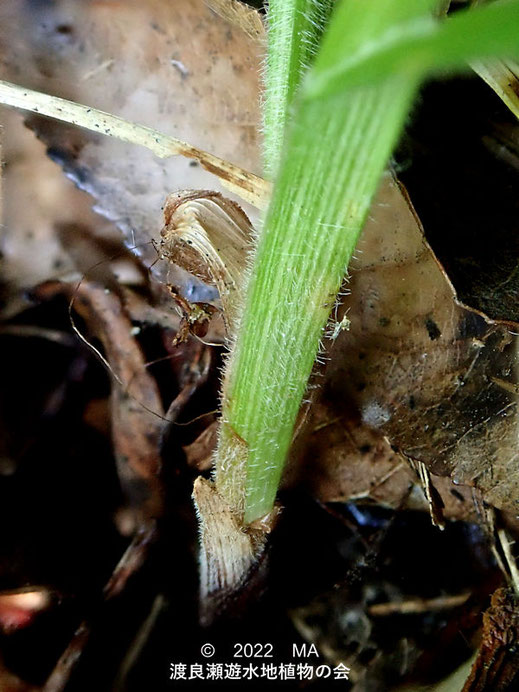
294	31
350	112
319	205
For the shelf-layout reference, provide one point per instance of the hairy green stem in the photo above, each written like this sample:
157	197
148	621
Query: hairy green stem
322	197
350	112
336	151
294	31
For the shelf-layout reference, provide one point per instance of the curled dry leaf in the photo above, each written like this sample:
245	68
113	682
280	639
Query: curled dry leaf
209	236
129	564
191	379
434	377
497	664
240	15
136	407
176	67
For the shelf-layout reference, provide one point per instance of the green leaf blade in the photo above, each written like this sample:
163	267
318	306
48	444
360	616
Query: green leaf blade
416	47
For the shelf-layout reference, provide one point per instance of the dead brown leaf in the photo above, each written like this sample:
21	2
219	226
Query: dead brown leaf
496	667
459	161
436	379
130	562
136	407
177	67
37	201
199	454
416	370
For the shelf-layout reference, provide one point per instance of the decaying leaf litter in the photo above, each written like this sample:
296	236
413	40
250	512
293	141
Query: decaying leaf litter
432	380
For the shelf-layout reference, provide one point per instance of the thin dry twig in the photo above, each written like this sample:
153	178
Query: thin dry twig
131	561
250	187
418	605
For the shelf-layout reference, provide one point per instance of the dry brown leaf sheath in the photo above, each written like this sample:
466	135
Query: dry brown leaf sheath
209	236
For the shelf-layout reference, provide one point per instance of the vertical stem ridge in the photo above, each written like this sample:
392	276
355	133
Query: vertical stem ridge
295	28
297	275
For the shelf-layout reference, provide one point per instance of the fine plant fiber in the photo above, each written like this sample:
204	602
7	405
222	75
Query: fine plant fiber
347	117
